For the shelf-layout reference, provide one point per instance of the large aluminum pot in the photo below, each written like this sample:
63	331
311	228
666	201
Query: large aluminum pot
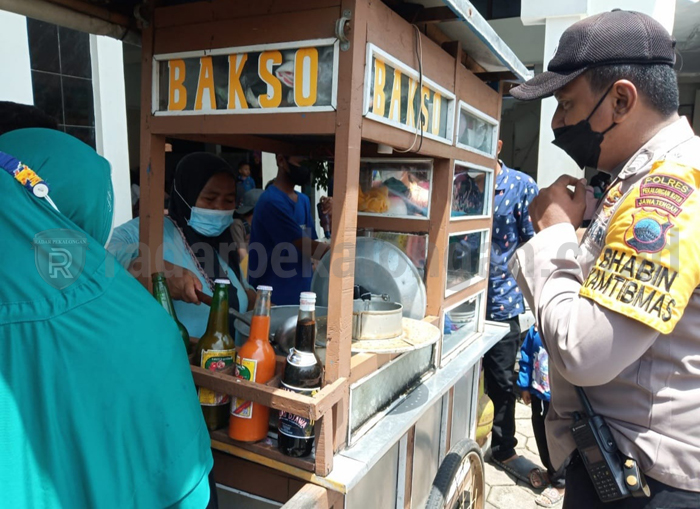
283	322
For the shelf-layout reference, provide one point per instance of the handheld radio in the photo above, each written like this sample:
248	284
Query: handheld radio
614	476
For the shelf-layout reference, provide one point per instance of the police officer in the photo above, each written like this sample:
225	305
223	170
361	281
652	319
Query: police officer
620	315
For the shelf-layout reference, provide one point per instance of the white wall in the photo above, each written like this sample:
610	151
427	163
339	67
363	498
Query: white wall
110	118
553	161
525	41
16	82
520	124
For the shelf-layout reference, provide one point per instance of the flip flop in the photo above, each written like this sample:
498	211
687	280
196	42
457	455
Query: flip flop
520	468
549	497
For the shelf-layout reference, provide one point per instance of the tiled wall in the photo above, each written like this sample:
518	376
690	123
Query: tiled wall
62	77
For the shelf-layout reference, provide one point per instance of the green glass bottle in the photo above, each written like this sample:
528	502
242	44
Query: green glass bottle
215	351
162	295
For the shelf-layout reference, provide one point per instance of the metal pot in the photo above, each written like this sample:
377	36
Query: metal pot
376	319
283	322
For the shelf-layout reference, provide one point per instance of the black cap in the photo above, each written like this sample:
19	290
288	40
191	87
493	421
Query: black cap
617	37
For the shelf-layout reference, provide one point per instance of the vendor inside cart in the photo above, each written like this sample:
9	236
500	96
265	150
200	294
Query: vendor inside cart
197	243
283	238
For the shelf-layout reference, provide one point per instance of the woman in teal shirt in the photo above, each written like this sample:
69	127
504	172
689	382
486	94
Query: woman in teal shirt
197	242
97	403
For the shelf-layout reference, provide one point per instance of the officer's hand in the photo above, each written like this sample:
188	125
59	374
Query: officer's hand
557	204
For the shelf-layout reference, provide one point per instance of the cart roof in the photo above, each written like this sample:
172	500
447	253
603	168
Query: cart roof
458	20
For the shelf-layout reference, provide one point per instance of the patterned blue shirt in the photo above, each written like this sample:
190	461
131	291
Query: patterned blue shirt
512	227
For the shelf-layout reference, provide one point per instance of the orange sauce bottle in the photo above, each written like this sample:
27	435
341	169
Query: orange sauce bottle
256	362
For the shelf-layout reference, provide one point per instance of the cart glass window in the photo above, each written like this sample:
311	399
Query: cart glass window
476	131
471	191
414	246
462	323
467	260
395	187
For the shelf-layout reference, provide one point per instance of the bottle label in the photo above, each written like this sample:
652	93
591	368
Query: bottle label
215	360
296	426
301	359
245	369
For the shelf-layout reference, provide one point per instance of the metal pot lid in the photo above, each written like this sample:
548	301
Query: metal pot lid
381	268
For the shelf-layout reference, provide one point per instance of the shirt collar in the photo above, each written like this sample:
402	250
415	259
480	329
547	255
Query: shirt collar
663	142
500	179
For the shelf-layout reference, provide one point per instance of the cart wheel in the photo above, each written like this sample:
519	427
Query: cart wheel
459	483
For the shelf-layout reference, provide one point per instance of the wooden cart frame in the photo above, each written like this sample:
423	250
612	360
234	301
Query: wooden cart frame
349	135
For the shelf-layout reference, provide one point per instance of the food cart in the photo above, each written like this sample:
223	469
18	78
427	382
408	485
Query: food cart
396	93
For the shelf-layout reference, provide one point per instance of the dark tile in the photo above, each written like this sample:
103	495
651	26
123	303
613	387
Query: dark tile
75	53
47	94
78	102
84	134
43	45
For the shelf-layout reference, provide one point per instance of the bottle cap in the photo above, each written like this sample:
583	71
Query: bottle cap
307	301
262	288
222	282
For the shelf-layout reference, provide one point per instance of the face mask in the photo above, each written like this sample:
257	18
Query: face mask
210	223
580	141
299	175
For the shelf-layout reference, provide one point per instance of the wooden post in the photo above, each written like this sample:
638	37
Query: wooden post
312	496
436	262
152	193
348	141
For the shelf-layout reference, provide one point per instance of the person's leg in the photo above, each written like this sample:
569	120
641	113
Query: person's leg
556	477
499	368
537	420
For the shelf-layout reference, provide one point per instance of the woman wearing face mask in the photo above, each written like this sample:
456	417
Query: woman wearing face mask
197	243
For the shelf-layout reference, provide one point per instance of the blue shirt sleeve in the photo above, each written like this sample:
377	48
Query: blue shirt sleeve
525	372
525	228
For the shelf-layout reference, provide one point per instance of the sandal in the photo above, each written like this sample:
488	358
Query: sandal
538	478
549	497
521	468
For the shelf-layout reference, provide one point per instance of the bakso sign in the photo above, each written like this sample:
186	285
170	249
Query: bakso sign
392	96
295	76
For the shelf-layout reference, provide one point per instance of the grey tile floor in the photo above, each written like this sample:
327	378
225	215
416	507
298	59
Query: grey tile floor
503	490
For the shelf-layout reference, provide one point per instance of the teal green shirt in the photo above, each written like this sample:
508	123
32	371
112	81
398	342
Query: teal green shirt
97	404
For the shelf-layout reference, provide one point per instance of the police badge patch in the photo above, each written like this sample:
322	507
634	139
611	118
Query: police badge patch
647	233
646	243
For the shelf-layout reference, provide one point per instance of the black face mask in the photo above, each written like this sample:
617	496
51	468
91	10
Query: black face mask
580	141
299	175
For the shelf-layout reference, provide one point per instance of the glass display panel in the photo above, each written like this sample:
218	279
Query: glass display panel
476	131
462	323
469	196
467	260
395	187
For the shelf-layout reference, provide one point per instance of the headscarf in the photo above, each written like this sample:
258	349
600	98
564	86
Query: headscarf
93	370
191	175
88	199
